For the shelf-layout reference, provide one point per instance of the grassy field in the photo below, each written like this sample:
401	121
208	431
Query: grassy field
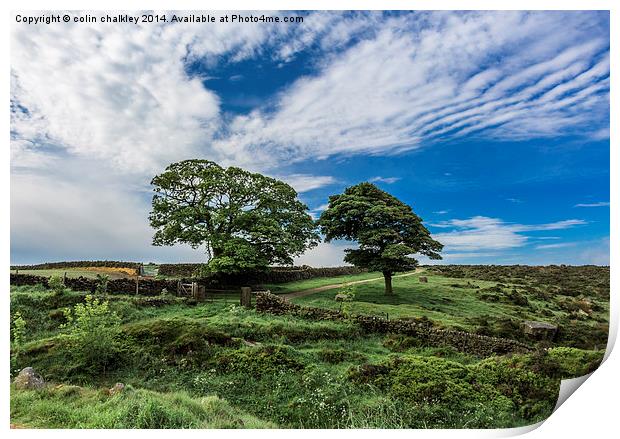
212	365
307	284
482	306
88	272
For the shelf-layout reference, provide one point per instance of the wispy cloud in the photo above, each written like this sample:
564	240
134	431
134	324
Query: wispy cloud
552	246
598	204
485	233
515	200
307	182
387	180
441	212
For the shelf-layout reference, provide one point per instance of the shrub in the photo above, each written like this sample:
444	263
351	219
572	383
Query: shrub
92	334
102	284
19	329
400	343
260	361
56	284
483	391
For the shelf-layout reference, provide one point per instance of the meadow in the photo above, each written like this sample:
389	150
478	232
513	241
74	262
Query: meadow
188	364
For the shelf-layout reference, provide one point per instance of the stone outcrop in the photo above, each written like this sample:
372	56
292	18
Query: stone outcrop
540	330
28	379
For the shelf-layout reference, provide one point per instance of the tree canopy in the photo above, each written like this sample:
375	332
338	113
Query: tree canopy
246	221
387	230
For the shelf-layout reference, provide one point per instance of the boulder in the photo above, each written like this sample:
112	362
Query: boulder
423	279
540	330
28	379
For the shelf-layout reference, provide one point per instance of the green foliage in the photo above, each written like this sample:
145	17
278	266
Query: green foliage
345	296
387	230
18	330
92	334
102	284
336	356
247	221
260	360
56	284
487	392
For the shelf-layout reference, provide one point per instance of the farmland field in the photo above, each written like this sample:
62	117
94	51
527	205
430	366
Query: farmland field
88	272
199	365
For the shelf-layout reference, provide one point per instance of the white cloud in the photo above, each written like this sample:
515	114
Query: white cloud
553	246
441	212
325	255
484	233
390	92
386	180
307	182
598	204
90	219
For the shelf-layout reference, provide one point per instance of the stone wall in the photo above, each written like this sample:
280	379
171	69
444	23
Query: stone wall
146	287
274	275
76	264
474	344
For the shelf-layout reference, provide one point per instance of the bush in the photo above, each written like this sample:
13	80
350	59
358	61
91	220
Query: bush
260	361
101	287
19	329
489	393
92	334
335	356
56	284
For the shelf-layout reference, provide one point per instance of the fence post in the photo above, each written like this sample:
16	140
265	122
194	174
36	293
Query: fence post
178	288
137	285
195	290
246	297
64	278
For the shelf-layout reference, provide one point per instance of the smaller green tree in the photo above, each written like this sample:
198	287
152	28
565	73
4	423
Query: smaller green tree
92	333
101	287
18	332
56	284
387	230
19	329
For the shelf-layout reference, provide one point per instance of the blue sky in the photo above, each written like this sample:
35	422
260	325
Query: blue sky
493	126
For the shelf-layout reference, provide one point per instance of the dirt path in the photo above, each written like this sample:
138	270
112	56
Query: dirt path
304	293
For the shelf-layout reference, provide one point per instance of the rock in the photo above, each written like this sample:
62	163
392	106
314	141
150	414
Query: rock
28	379
341	297
117	388
540	330
423	279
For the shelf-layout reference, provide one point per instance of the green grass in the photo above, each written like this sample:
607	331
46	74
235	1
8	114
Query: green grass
79	407
215	364
447	301
74	272
319	282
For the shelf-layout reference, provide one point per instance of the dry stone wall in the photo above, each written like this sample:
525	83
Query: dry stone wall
274	275
146	287
474	344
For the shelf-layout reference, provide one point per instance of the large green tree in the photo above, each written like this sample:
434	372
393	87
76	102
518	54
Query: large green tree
246	221
387	230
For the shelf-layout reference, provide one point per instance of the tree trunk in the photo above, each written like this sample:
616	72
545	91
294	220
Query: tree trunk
388	283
